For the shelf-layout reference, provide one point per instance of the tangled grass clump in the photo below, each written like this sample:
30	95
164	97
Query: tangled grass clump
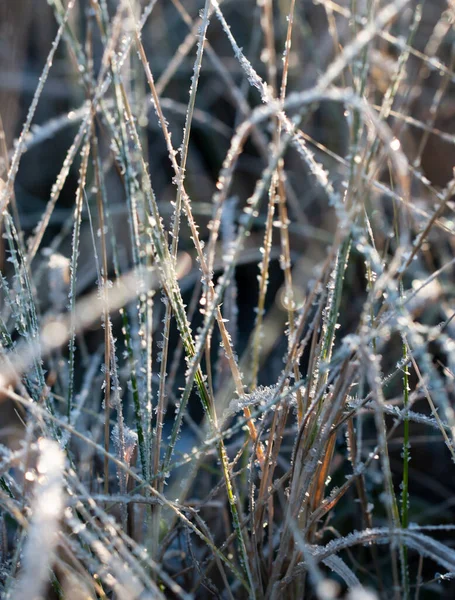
226	329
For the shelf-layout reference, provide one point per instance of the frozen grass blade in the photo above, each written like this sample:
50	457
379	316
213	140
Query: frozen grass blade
73	273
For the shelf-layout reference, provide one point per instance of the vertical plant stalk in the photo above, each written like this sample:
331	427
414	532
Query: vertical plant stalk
73	273
284	220
406	459
104	291
266	20
230	308
132	189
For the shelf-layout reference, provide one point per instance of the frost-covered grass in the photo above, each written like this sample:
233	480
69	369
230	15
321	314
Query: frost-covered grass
227	361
